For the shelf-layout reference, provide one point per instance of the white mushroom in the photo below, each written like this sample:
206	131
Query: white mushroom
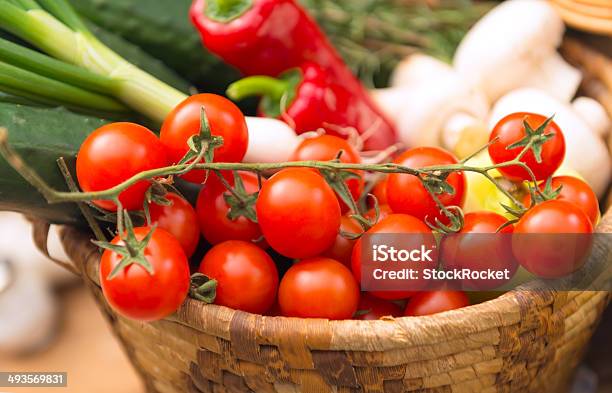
437	109
514	46
418	68
594	114
440	111
585	152
270	140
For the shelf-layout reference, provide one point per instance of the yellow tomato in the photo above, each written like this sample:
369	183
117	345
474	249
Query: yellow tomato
483	194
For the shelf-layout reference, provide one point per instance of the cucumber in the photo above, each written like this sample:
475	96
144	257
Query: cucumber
41	135
161	28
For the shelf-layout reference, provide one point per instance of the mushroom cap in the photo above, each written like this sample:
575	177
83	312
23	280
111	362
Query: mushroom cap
418	68
428	107
594	114
585	152
390	101
502	49
415	71
555	76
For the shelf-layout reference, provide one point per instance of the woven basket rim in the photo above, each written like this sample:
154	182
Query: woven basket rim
504	310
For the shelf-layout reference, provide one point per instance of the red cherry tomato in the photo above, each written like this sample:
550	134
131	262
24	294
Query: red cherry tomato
383	212
298	213
510	130
327	148
407	195
179	219
246	276
114	153
342	248
552	239
576	191
225	119
478	247
213	211
318	288
380	191
137	294
371	308
429	303
395	225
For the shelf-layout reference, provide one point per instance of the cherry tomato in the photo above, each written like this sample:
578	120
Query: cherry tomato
246	276
298	213
383	212
429	303
342	248
552	239
212	210
407	195
576	191
478	247
394	225
137	294
318	288
225	119
380	191
327	148
510	130
114	153
179	219
371	308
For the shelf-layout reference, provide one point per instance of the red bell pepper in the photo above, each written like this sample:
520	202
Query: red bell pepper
263	37
268	37
309	97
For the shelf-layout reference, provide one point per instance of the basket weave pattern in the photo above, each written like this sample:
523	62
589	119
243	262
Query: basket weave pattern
520	342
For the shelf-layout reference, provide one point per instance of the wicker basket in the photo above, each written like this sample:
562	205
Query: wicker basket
519	342
594	16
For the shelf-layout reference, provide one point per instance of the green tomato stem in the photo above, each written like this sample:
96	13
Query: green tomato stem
225	11
54	196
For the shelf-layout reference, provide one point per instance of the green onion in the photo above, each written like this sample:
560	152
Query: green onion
55	28
18	80
44	65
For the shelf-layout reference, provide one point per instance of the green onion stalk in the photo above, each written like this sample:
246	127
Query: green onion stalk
76	69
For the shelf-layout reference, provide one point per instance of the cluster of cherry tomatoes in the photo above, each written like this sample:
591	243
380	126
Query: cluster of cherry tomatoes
299	217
